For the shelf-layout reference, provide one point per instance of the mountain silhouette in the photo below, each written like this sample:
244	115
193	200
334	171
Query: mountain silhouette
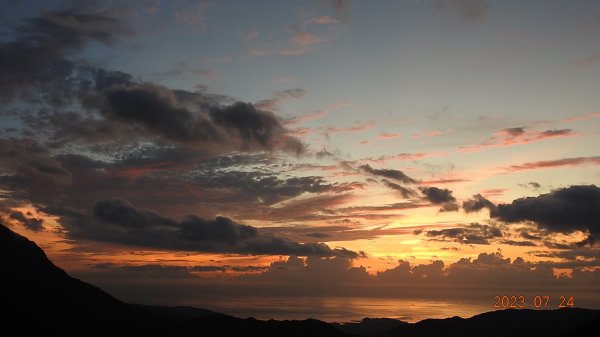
38	298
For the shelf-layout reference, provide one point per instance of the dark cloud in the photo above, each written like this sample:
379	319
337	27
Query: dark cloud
31	223
193	119
404	191
477	203
437	195
565	210
270	188
159	271
318	235
474	233
118	221
449	207
527	235
517	131
37	56
40	65
157	108
255	127
518	243
557	245
30	160
532	185
555	133
388	173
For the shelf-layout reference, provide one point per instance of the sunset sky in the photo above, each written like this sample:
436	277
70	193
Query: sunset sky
203	153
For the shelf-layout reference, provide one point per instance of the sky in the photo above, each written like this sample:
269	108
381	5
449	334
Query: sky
346	152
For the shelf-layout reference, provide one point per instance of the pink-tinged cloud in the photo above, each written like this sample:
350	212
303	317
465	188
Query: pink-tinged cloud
554	163
260	51
516	136
306	39
493	192
583	117
386	135
322	20
296	50
317	114
272	104
403	157
251	35
429	134
443	181
133	173
587	60
299	132
355	128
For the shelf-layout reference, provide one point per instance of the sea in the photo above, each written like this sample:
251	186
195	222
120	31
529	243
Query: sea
343	309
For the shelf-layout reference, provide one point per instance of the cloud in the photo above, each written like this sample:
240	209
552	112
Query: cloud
31	223
404	191
429	134
118	221
281	96
437	195
316	114
473	11
474	233
194	17
586	61
387	135
302	39
165	112
322	20
518	243
403	157
117	109
251	35
477	203
268	187
343	230
532	185
36	59
31	161
396	175
583	117
155	271
564	210
467	279
553	163
516	136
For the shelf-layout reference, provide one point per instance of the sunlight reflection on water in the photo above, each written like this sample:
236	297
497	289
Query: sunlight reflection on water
338	309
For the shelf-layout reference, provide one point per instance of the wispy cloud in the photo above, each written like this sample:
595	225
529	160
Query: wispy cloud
388	135
322	20
583	117
553	163
587	60
194	17
516	136
429	134
251	35
272	104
